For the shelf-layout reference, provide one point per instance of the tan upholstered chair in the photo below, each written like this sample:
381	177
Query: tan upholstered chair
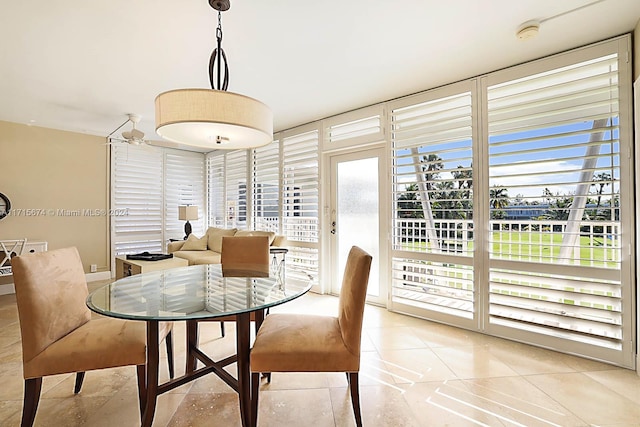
311	343
244	256
58	332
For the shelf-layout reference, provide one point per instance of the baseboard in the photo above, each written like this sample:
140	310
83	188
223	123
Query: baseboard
7	289
101	275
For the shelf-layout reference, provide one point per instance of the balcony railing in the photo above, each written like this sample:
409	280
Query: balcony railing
597	243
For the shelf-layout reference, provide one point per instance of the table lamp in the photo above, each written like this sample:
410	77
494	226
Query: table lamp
187	213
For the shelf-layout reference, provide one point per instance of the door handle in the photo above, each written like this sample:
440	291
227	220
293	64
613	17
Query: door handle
333	227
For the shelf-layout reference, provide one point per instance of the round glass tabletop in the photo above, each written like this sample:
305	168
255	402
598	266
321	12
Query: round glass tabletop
195	292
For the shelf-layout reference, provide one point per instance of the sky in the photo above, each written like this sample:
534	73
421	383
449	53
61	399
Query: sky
528	162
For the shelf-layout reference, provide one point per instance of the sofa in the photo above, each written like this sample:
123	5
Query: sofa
208	248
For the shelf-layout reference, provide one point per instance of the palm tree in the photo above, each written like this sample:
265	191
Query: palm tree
601	180
464	177
446	204
558	206
431	165
498	198
408	204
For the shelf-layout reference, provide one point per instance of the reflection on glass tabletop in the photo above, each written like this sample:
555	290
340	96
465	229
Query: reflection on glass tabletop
195	292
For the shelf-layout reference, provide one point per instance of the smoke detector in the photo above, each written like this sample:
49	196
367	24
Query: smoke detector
528	30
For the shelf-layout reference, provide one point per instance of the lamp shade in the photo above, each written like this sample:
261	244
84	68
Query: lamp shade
187	213
213	119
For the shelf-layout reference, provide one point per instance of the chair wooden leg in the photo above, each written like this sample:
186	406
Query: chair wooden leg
355	397
255	387
259	318
222	328
79	380
32	387
169	343
141	371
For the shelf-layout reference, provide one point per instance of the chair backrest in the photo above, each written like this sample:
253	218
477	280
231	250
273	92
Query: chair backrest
246	255
352	297
51	292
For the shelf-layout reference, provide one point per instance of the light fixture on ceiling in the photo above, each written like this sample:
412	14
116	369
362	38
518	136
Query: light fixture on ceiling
214	118
134	136
528	30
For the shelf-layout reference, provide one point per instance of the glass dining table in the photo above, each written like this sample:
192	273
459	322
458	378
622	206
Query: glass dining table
200	292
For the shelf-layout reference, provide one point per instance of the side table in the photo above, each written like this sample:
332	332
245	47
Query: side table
278	266
130	267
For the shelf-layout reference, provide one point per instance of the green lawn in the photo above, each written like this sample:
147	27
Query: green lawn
545	247
541	247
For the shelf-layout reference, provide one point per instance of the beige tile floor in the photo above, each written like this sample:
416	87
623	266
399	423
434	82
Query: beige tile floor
414	373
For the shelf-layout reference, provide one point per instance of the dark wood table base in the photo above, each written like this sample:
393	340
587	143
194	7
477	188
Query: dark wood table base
242	384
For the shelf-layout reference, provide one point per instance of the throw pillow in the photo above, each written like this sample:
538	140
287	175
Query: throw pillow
270	234
194	243
214	237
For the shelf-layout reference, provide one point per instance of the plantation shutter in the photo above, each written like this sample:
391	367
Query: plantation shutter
266	188
433	203
300	187
433	181
184	185
346	130
215	190
300	199
354	129
236	189
137	189
554	176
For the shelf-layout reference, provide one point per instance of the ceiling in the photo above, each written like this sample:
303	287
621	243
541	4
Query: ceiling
83	65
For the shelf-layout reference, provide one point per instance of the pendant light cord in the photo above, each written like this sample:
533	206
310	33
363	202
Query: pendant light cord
218	57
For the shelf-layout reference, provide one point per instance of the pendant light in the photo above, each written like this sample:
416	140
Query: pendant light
214	118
